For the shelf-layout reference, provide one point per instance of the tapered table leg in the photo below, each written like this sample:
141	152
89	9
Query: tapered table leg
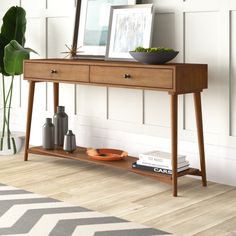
29	117
198	111
56	95
174	142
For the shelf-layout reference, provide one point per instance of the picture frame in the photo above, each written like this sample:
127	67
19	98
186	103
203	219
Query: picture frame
91	26
129	27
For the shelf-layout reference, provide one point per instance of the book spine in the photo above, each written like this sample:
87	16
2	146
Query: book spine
156	169
161	165
153	169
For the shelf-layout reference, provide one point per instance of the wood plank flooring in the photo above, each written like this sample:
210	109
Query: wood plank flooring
197	211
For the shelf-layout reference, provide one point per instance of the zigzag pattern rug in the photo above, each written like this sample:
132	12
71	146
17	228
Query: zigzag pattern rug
24	213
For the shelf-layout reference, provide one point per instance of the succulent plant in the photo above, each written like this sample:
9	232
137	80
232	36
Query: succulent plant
154	49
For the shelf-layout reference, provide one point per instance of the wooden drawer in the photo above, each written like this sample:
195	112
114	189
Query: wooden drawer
53	72
132	76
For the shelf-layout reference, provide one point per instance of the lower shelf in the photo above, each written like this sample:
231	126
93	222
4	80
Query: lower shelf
80	154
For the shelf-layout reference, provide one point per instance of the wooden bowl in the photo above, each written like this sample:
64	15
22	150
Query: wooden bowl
106	154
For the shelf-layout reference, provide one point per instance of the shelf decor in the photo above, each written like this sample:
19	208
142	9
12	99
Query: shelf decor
48	134
154	58
130	27
91	26
60	121
69	142
106	154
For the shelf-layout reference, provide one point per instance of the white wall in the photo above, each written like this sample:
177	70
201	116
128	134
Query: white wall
202	30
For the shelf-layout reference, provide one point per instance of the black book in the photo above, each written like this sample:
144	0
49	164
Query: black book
158	170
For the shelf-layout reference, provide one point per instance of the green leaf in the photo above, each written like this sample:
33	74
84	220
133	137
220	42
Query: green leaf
15	54
3	43
13	27
31	50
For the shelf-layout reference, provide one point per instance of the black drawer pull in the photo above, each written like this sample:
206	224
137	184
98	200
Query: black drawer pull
53	71
127	76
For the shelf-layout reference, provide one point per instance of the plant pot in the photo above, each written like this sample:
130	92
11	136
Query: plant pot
16	137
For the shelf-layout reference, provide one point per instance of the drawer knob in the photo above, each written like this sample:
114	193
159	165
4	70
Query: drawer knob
53	71
127	76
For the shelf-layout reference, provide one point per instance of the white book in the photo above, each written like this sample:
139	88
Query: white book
165	155
157	157
164	166
159	160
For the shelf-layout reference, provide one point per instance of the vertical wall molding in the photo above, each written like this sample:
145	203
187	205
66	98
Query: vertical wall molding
143	108
226	63
75	99
230	75
184	60
107	103
46	54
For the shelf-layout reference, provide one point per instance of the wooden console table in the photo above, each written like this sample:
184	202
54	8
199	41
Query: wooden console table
173	78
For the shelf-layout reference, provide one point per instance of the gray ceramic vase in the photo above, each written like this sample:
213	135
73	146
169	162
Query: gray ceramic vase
60	120
69	142
48	134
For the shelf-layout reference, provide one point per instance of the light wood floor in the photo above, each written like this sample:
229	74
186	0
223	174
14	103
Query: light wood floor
197	211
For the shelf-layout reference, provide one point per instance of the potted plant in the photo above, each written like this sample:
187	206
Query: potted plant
12	55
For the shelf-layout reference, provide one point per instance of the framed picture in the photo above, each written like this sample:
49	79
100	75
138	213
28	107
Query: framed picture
91	25
129	27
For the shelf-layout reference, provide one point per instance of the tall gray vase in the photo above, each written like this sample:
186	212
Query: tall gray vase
48	134
60	120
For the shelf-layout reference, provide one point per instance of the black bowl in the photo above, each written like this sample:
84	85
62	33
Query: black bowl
154	57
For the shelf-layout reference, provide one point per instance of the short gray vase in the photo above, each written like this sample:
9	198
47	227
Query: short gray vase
69	142
60	121
48	135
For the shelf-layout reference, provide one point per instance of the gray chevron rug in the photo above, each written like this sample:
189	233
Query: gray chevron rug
24	213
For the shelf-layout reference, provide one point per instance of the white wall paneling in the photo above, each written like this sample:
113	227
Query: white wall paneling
164	30
92	101
233	74
154	114
62	4
36	36
206	49
5	5
125	105
134	120
33	6
59	33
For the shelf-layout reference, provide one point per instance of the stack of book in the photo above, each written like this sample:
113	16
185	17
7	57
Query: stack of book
160	162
